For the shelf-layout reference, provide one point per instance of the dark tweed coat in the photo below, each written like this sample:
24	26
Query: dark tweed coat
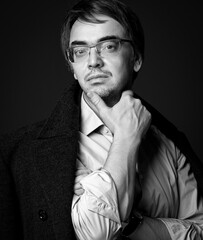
37	166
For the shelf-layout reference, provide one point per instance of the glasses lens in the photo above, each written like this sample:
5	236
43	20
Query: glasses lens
109	47
77	54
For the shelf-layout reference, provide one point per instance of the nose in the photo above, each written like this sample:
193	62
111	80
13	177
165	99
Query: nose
95	60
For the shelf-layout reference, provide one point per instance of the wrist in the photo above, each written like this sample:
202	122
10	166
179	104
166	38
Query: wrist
134	222
128	138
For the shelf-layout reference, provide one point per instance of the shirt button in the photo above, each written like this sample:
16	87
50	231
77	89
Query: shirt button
42	215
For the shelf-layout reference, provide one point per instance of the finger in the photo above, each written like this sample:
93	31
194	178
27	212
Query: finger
82	172
79	178
77	186
96	101
127	93
79	192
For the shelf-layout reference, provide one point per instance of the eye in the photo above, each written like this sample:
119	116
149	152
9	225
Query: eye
110	46
80	51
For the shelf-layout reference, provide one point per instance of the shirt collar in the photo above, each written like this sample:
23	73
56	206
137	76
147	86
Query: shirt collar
89	120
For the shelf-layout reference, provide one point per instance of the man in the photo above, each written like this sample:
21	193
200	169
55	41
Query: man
123	160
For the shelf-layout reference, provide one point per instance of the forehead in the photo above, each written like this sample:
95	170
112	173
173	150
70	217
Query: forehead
92	32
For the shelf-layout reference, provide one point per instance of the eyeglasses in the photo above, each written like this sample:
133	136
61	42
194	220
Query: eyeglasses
106	48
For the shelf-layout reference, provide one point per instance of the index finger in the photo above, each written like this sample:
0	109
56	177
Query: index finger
127	93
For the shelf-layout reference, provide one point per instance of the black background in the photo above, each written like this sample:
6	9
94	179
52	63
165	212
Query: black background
34	72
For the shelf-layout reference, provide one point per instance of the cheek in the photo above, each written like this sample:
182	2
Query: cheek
122	68
78	72
123	62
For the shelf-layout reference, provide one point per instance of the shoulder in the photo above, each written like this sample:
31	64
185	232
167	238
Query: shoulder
159	147
163	141
9	142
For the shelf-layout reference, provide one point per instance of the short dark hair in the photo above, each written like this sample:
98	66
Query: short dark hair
87	10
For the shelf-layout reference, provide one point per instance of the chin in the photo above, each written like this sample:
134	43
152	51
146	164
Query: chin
103	93
109	97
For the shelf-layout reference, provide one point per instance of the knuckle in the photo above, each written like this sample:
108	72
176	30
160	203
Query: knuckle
78	178
148	113
129	100
128	93
95	100
138	101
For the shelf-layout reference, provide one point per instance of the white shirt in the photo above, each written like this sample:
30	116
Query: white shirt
169	190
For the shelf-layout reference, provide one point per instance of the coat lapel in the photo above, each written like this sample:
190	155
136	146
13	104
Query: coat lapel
55	152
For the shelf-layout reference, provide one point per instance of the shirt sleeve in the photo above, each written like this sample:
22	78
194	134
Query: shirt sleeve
95	213
189	222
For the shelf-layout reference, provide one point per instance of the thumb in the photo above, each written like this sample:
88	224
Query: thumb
96	101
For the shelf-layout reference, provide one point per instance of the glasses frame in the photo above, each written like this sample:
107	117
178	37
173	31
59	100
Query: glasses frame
70	49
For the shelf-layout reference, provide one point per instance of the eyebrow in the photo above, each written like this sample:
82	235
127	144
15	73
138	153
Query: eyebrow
110	37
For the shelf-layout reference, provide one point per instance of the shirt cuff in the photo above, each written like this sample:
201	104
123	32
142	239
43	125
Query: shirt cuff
183	229
101	194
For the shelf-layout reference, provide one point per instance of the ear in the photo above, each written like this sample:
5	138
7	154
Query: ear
137	63
75	76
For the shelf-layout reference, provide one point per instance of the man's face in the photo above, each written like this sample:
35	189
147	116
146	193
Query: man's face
107	76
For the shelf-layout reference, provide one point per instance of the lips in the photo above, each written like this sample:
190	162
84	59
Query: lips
97	76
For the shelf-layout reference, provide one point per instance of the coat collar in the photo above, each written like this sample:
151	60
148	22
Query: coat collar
65	118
